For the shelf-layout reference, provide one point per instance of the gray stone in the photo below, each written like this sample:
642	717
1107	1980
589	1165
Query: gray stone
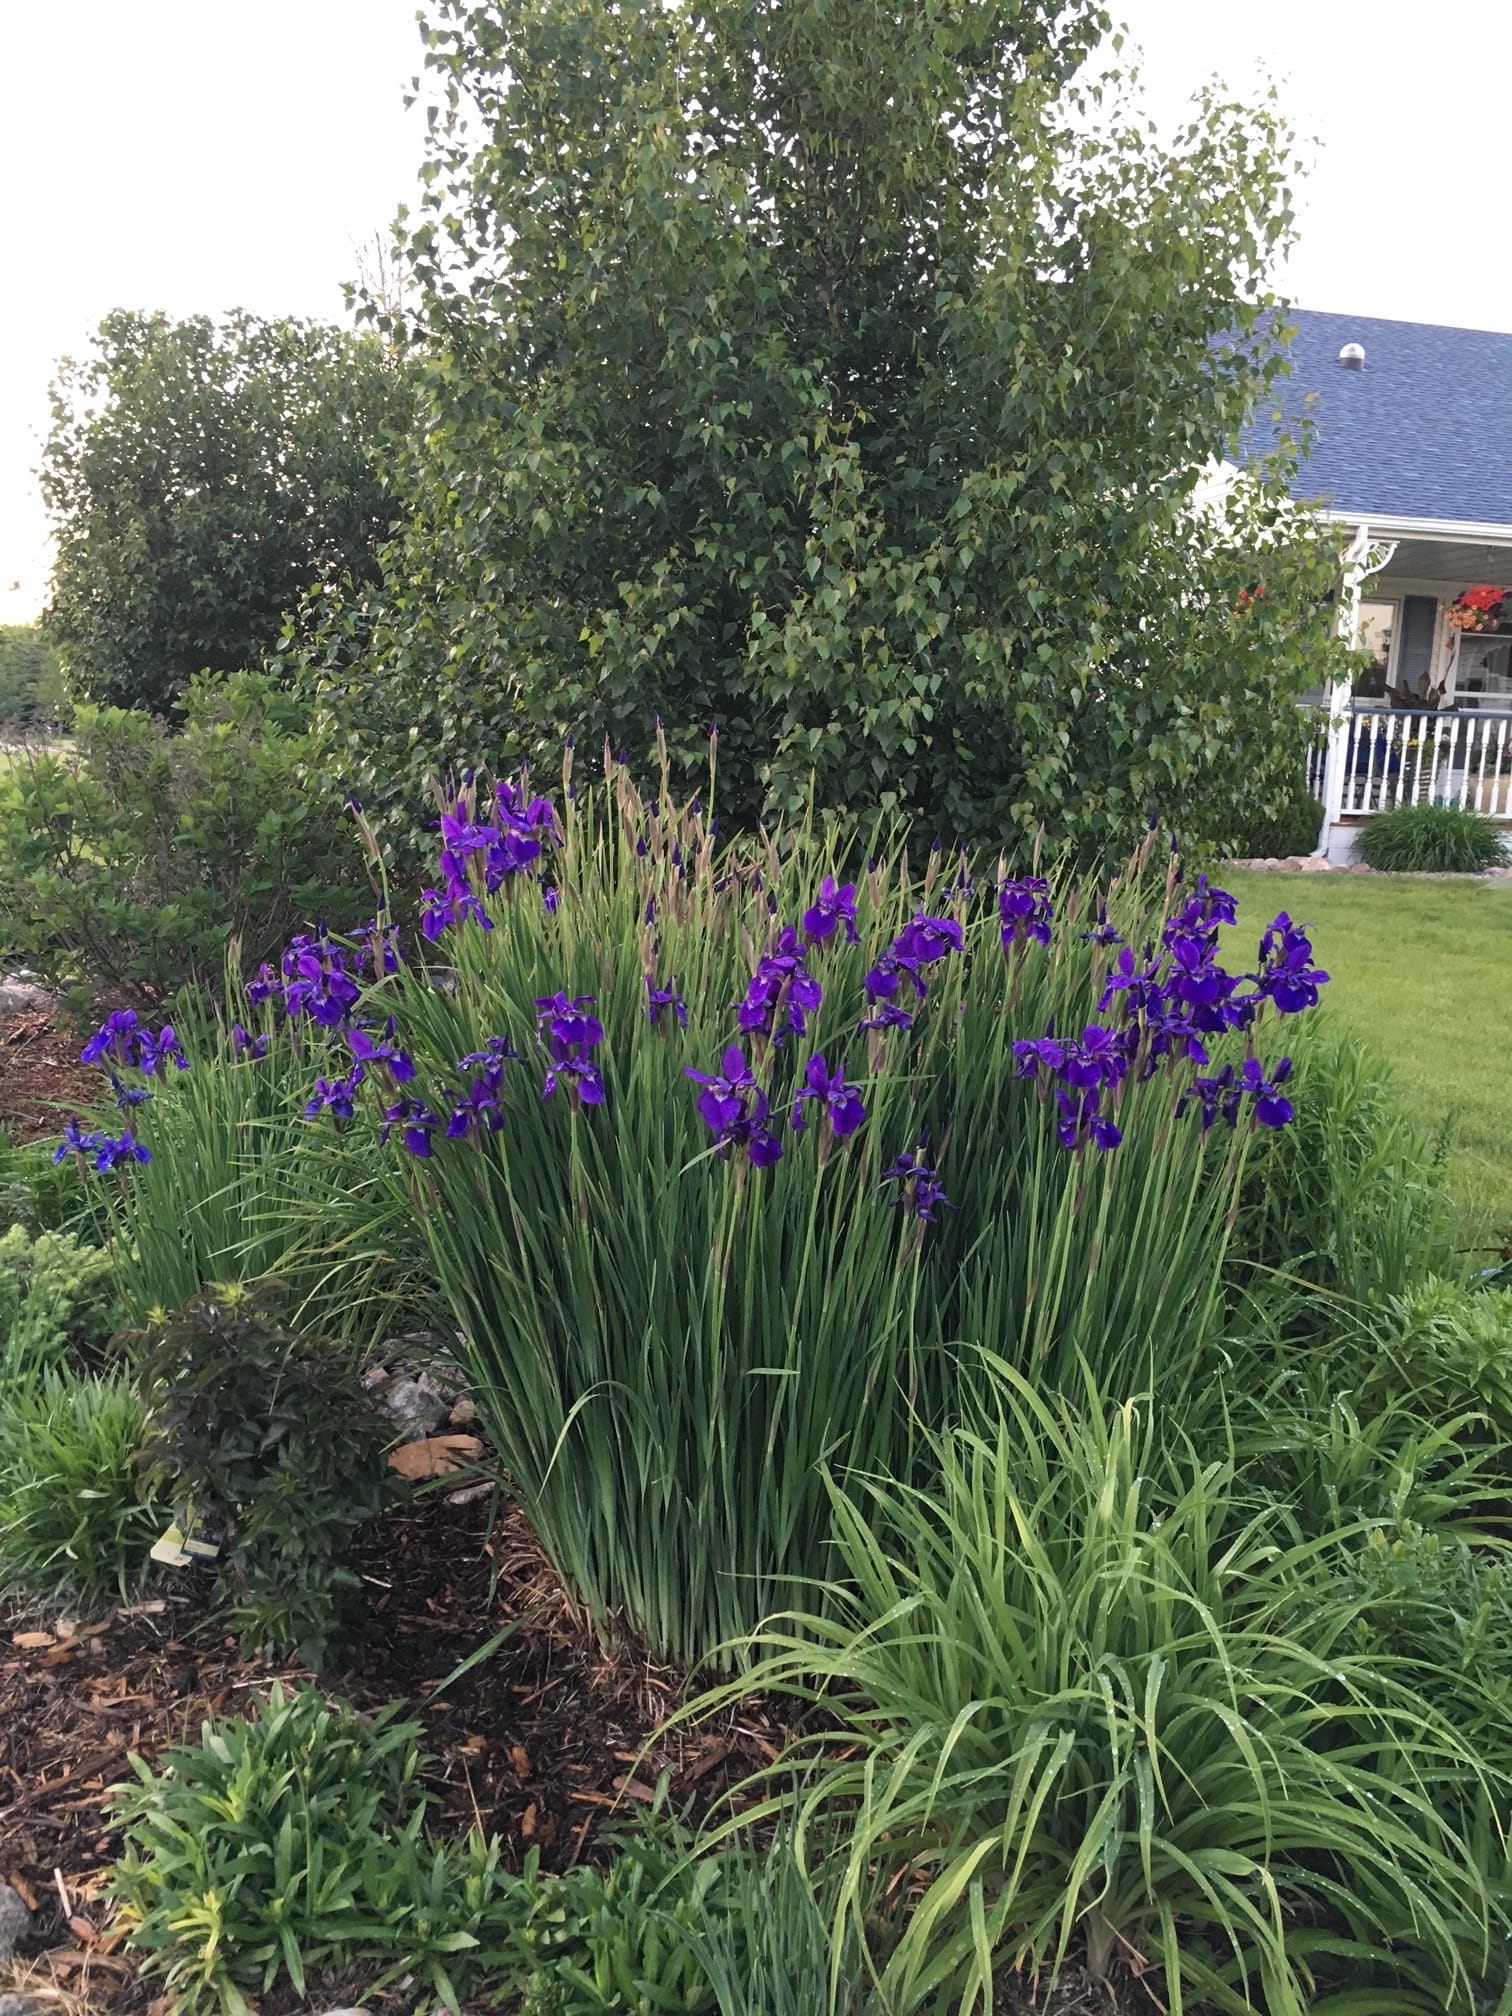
18	995
418	1405
19	2005
359	2011
14	1920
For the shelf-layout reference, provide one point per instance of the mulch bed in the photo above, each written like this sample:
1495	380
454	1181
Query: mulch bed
537	1742
41	1078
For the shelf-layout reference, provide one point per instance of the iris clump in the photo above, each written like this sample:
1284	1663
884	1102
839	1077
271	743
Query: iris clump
693	1250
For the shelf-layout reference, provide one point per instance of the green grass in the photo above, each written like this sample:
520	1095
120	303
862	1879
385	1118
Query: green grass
1421	971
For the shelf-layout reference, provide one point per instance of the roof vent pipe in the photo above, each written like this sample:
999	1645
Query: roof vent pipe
1352	356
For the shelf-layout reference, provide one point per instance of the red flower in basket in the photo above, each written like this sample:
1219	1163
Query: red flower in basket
1476	609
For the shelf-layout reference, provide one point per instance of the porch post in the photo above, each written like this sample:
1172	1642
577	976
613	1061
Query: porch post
1347	626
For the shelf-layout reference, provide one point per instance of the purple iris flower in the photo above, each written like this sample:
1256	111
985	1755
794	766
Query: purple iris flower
336	1096
920	1192
665	1001
1025	911
927	939
839	1103
253	1047
127	1096
1100	1058
887	1016
734	1109
116	1038
1287	975
316	983
782	994
1138	982
551	897
477	1108
1040	1053
415	1123
124	1040
398	1063
111	1153
882	981
155	1053
379	942
569	1036
1082	1120
76	1141
833	909
440	913
1206	908
1270	1108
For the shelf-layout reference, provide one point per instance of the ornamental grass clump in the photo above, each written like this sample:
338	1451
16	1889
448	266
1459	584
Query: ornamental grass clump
1432	840
1080	1696
721	1154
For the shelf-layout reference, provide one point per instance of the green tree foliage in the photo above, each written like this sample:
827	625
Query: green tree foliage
31	688
202	478
843	374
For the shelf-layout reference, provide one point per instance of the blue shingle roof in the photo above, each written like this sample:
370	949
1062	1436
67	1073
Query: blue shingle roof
1423	431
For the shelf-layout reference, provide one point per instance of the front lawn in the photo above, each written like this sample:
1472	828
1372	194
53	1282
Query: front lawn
1422	969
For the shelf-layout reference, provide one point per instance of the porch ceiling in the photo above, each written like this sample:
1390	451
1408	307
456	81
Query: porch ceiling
1460	562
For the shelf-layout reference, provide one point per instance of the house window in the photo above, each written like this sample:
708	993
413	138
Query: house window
1483	671
1376	634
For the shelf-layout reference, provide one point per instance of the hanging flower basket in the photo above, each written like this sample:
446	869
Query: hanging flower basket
1476	609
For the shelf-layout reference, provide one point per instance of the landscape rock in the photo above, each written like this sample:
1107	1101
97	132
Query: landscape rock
18	995
14	1920
417	1404
19	2005
463	1412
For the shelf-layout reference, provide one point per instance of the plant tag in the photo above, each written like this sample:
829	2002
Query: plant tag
176	1549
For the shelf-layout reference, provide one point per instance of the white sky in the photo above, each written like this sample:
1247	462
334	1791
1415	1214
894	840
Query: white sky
199	155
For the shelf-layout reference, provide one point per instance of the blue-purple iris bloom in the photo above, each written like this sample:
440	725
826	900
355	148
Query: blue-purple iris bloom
1082	1120
734	1109
1025	911
1222	1097
479	1107
414	1122
336	1096
665	1001
833	909
569	1036
1287	975
922	942
839	1103
123	1039
782	994
920	1192
888	1015
255	1048
103	1152
384	1052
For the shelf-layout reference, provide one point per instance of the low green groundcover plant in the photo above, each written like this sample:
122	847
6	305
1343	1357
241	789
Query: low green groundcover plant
263	1438
720	1153
1079	1690
75	1523
296	1842
1431	839
56	1293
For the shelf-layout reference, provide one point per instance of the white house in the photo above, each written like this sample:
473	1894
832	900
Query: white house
1411	455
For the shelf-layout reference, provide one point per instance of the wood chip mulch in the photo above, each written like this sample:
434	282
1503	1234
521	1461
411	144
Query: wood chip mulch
538	1742
41	1078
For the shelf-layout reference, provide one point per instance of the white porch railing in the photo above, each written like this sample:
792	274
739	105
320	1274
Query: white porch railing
1398	756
